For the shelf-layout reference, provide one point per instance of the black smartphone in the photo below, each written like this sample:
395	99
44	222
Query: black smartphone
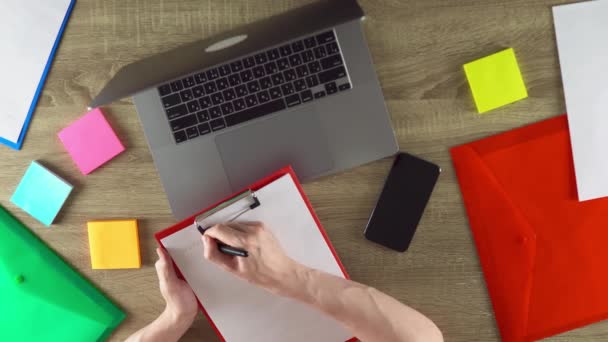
406	193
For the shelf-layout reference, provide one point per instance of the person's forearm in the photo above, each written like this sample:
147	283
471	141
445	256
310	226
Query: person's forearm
370	314
166	328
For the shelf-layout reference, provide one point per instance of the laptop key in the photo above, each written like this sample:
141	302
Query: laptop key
186	95
189	82
246	76
239	104
217	98
260	58
224	70
331	61
255	112
344	86
253	86
287	89
229	94
177	86
241	90
164	89
290	75
236	66
331	88
192	132
234	80
285	50
283	64
306	95
295	60
251	100
275	93
300	85
200	78
273	54
263	96
258	71
332	74
183	122
277	79
205	102
193	106
326	37
310	42
271	68
217	124
314	67
176	112
212	74
198	91
215	112
297	46
320	94
227	108
204	129
307	56
171	100
302	71
332	48
202	116
293	100
312	81
180	136
248	62
265	82
210	87
222	83
320	52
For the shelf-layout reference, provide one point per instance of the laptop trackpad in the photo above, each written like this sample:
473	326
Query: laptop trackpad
293	138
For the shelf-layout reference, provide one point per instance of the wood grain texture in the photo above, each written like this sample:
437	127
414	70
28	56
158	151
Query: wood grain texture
418	47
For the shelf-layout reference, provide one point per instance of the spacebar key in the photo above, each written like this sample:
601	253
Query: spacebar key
255	112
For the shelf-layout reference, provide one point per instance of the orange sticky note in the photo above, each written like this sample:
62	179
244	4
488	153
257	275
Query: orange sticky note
114	244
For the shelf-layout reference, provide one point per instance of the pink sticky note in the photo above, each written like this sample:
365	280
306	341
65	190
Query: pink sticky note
90	141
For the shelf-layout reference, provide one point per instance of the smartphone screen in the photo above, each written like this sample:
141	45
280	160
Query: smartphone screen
405	194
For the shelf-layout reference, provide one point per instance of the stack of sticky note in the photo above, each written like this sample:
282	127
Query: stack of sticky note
114	244
90	141
41	193
495	81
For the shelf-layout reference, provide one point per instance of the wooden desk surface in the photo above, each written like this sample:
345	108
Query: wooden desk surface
419	48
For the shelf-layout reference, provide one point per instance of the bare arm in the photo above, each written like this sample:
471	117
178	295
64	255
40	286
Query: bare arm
369	314
181	307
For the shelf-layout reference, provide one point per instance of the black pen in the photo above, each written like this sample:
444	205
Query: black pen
224	248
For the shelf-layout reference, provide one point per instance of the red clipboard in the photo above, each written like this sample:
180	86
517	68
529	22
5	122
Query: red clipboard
255	186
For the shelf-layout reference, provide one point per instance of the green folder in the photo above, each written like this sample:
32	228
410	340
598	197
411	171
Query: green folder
42	298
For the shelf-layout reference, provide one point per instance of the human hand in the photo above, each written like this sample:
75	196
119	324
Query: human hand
181	301
267	264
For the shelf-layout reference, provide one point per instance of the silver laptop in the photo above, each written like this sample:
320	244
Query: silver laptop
295	89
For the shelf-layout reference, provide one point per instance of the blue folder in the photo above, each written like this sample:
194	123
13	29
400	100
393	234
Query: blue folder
26	124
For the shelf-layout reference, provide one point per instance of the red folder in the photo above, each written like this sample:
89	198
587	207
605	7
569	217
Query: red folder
543	253
256	186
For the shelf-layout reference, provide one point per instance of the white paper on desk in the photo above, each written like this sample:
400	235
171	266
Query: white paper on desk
582	40
28	31
244	312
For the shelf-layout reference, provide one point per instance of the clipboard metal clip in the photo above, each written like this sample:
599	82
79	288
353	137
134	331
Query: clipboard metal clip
247	194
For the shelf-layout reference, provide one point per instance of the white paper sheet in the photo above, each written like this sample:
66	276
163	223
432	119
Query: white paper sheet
28	31
241	311
582	33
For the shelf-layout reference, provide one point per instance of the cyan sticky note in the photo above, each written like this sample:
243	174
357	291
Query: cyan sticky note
41	193
495	80
91	141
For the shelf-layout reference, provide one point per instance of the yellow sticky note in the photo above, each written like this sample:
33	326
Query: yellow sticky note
114	244
495	80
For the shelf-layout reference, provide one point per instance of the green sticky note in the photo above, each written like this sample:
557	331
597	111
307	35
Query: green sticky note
495	81
43	298
41	193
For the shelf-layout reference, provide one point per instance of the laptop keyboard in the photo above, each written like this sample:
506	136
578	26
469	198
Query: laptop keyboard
254	86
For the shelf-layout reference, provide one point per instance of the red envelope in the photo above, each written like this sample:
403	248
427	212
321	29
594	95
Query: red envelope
544	255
